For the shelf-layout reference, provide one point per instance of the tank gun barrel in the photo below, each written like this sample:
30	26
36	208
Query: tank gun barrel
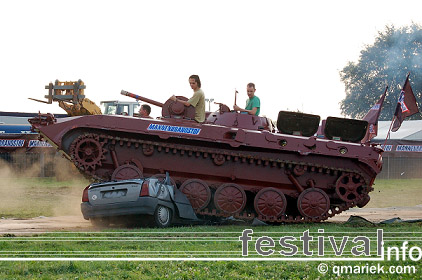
137	97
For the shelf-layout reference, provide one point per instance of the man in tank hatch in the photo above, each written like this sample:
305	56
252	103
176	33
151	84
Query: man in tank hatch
144	111
197	100
253	104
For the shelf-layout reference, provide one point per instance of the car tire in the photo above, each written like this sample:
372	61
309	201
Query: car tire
163	216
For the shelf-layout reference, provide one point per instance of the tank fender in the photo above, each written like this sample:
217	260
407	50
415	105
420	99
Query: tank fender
183	206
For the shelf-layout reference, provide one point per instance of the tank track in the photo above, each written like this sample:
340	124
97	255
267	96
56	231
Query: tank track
221	156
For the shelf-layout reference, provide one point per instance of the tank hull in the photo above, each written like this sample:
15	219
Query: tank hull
224	171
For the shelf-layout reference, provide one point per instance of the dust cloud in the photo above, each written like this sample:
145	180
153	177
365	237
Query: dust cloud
25	194
10	190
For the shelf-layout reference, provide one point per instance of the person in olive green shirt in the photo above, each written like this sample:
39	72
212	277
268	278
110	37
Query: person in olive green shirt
252	104
197	100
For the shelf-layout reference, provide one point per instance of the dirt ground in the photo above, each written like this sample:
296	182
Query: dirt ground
77	223
377	215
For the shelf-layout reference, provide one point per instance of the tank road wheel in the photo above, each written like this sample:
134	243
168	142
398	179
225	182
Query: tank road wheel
313	203
87	151
350	187
198	193
270	203
162	216
230	198
125	172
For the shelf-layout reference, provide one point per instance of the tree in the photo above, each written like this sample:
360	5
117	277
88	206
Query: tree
395	52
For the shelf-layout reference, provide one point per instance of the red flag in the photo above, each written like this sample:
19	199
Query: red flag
406	105
372	118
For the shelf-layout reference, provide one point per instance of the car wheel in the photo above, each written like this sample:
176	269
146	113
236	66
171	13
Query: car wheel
162	216
100	222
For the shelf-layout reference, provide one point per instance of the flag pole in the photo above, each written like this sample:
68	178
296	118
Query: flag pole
407	80
395	112
388	134
369	135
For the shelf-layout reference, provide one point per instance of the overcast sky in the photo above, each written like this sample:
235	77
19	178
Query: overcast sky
291	50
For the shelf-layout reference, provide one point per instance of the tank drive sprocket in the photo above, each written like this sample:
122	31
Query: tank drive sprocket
87	152
351	187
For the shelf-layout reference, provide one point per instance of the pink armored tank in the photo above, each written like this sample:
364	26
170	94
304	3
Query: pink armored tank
232	164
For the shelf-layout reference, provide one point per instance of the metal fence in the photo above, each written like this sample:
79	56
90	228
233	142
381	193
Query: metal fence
31	164
401	168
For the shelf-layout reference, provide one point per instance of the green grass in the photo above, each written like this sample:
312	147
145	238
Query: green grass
31	197
192	269
396	192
